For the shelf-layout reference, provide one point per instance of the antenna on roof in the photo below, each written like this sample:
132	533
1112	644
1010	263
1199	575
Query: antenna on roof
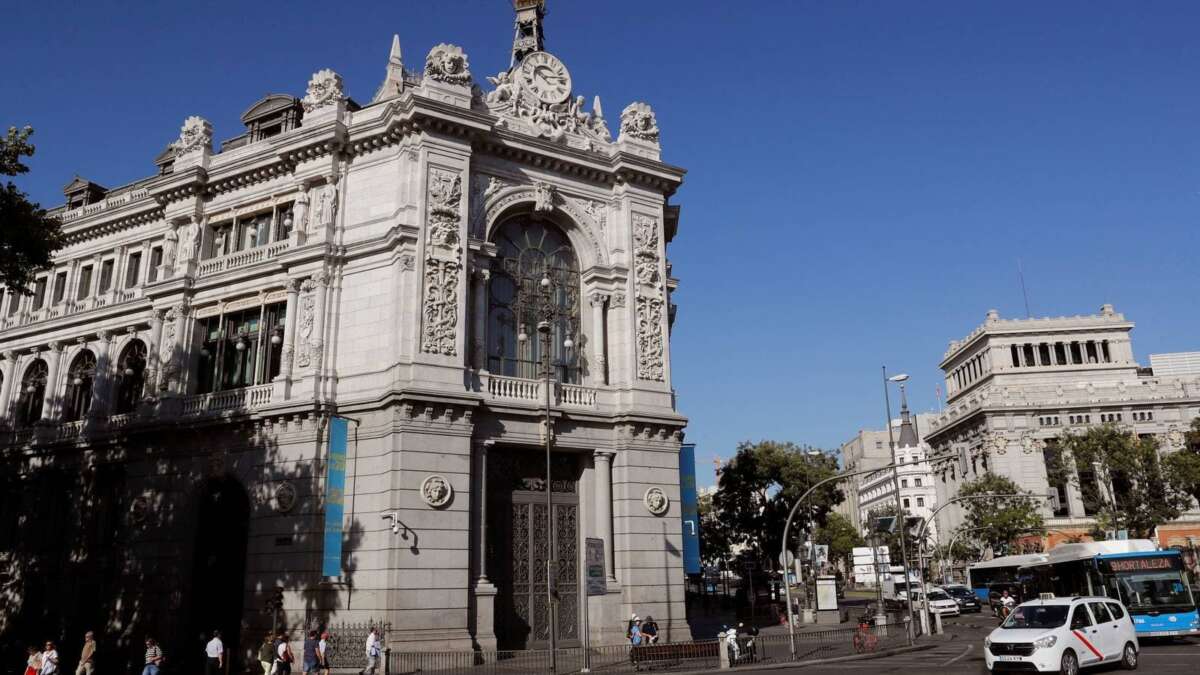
1024	292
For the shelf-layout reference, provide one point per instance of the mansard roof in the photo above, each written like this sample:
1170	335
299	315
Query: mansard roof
271	104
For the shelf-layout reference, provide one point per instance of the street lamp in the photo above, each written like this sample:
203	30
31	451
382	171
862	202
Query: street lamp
887	401
543	307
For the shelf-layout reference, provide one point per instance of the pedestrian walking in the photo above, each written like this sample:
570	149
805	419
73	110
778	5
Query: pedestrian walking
214	655
283	655
87	656
154	657
266	653
323	653
49	659
373	651
311	660
33	661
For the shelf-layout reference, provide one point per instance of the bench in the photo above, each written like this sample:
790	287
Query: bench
671	654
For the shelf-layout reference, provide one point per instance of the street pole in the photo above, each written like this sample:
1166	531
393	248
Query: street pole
787	525
552	628
887	401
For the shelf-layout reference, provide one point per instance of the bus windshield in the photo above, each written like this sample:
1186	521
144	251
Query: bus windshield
1152	589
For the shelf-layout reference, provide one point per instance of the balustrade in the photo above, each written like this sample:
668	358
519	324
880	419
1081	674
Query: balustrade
521	389
242	258
248	398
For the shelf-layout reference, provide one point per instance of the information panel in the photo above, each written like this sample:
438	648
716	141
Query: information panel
689	508
594	559
335	498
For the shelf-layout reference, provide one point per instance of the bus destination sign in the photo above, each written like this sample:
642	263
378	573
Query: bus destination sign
1154	564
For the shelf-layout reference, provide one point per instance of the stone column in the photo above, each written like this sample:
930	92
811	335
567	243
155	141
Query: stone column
153	364
479	323
320	283
604	492
50	397
485	591
600	366
9	368
289	330
102	378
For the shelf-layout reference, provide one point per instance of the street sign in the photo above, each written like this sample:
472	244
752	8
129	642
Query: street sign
594	559
822	554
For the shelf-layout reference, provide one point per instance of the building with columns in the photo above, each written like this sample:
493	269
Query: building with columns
404	261
1014	385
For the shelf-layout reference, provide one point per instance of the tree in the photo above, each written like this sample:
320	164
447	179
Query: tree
839	535
28	237
1183	467
995	523
715	546
1137	496
760	484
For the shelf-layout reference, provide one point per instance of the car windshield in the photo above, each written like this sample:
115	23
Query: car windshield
959	592
1037	616
938	595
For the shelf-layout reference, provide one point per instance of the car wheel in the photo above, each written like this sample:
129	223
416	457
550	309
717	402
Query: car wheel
1070	663
1129	659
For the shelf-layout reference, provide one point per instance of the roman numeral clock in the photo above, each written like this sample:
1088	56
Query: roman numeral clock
544	76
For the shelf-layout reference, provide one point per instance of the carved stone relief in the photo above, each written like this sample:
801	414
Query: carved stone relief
537	99
196	134
638	121
447	63
436	491
285	497
656	501
649	299
308	304
324	89
443	264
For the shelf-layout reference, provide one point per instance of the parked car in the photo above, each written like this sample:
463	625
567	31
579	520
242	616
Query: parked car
967	601
1063	635
939	602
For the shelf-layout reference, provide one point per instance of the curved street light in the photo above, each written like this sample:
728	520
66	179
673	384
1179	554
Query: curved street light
787	525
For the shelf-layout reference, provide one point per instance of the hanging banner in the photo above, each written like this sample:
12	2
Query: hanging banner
335	497
689	509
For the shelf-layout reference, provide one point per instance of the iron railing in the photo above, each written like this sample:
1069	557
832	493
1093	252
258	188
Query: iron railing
665	657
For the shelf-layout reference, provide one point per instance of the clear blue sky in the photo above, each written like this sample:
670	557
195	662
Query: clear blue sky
863	176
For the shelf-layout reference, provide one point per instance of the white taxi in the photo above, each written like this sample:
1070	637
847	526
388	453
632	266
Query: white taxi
1062	635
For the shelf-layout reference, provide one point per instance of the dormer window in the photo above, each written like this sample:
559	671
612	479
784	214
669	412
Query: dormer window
80	192
271	116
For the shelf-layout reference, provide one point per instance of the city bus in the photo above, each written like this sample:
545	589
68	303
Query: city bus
1005	569
1151	583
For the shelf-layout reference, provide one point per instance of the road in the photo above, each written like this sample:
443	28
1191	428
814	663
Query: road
962	653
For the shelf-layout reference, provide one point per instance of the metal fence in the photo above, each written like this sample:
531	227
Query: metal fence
675	656
347	643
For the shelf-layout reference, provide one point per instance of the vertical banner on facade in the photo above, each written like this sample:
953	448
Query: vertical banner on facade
688	501
335	498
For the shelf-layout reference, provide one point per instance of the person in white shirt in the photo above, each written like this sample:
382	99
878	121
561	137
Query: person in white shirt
323	653
372	652
49	659
214	653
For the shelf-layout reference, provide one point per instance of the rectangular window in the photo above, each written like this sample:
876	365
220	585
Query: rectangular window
1104	352
1016	358
60	287
1076	354
906	502
283	222
14	302
133	270
1044	354
920	502
39	293
85	283
904	482
238	349
916	482
1091	352
1029	356
106	273
155	261
1060	354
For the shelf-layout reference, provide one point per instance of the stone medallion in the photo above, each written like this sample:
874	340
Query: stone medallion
656	501
285	497
436	491
139	509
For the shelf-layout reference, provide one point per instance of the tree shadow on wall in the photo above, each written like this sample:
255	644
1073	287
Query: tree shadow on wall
166	530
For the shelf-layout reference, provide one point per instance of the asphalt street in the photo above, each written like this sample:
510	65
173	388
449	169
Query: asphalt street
961	651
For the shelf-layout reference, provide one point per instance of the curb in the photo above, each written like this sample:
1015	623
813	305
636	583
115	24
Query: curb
816	662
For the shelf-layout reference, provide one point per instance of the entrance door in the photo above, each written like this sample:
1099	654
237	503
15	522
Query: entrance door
519	546
219	567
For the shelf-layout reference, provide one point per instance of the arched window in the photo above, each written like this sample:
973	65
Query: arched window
527	251
33	390
78	400
131	377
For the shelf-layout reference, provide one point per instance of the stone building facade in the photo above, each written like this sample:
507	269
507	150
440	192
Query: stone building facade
1014	384
874	491
168	387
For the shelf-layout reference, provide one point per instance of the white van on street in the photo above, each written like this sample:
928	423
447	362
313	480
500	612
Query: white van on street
1063	635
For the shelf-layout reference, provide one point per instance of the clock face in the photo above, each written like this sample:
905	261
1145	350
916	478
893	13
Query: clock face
546	78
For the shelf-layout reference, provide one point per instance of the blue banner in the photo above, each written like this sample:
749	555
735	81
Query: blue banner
688	506
335	498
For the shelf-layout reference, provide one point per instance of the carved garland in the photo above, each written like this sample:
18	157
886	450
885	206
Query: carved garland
443	264
649	299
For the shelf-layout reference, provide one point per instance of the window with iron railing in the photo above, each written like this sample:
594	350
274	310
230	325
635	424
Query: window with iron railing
240	349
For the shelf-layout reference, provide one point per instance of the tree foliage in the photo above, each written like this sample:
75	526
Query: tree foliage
28	237
758	487
1122	476
839	535
715	545
1182	468
995	523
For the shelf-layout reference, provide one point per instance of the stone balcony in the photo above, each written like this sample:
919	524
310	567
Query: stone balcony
533	392
245	399
241	259
110	298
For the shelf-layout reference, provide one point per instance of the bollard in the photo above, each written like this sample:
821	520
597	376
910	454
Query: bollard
937	623
723	651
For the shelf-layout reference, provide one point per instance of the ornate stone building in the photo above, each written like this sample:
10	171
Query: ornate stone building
168	387
1014	385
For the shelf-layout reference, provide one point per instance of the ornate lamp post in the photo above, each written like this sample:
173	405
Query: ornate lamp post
542	304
